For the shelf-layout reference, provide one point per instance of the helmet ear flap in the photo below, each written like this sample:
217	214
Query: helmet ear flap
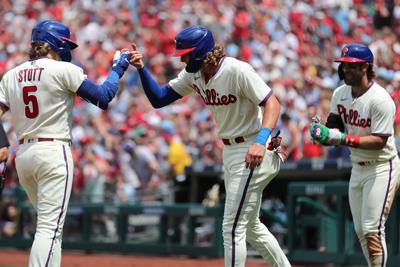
341	72
193	65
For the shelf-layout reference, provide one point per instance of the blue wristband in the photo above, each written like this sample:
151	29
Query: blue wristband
263	136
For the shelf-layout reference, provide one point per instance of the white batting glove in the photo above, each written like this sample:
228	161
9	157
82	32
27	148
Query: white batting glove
121	62
335	137
117	56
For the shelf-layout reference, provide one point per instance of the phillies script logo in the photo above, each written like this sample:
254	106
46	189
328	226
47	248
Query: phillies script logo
212	98
353	118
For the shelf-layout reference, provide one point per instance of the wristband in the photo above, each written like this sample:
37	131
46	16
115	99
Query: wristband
351	140
263	136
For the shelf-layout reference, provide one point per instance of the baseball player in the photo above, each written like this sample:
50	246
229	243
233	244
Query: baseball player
362	117
246	112
40	95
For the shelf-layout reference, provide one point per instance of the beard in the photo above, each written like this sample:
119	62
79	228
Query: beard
352	80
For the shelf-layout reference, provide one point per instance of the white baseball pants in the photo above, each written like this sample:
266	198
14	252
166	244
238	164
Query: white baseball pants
371	193
242	206
45	171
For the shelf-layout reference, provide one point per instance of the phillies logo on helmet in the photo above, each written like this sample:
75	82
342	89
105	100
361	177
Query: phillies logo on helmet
345	51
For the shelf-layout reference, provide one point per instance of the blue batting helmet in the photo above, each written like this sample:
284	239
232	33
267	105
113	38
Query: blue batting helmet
57	35
356	53
196	40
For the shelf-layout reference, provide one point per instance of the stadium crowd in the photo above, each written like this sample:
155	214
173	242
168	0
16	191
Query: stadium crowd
133	148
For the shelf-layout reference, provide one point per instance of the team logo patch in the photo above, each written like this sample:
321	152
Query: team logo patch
345	51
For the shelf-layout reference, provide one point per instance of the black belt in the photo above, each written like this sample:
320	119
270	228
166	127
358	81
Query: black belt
238	140
365	163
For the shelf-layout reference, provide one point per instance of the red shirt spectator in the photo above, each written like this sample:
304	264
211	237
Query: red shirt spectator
310	150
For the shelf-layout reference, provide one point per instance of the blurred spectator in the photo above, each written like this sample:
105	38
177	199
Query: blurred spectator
290	43
384	14
145	164
177	156
9	220
94	172
127	180
290	137
310	150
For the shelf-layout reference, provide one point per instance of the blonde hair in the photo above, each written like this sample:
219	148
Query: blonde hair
39	50
213	57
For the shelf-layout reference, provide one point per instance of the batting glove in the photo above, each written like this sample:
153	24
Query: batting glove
120	62
323	135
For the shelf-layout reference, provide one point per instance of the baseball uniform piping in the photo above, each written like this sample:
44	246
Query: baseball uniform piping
265	99
238	215
62	207
382	213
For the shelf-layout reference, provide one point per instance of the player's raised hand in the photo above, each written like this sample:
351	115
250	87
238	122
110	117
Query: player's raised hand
121	61
137	57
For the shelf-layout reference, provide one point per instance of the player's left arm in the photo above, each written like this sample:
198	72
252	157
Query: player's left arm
270	117
271	113
258	92
254	88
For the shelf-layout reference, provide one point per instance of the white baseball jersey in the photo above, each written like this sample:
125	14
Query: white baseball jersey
40	95
233	94
369	114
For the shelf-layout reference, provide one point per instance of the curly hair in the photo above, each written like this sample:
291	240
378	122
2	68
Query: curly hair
213	57
39	50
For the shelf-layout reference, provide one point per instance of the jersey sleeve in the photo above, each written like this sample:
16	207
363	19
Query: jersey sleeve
252	85
182	84
73	77
382	115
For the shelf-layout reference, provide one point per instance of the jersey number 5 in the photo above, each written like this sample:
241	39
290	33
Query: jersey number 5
30	113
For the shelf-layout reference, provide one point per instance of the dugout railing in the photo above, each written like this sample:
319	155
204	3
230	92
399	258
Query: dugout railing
176	229
320	229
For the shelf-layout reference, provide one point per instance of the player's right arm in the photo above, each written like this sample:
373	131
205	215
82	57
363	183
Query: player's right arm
381	129
159	96
101	95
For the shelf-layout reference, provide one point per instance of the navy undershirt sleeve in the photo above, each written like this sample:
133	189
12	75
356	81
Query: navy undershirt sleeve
100	95
158	96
